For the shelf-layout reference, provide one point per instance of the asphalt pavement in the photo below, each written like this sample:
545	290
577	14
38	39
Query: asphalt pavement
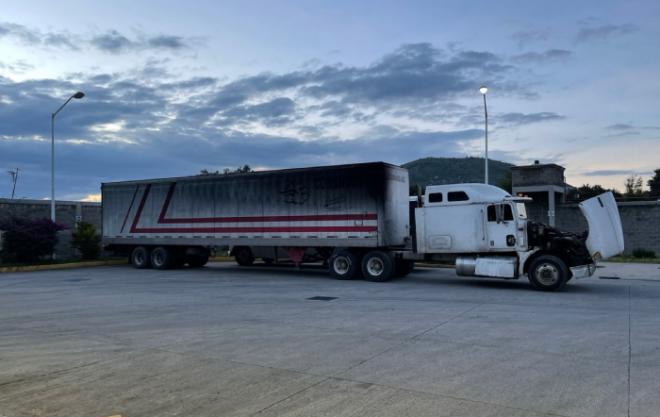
234	341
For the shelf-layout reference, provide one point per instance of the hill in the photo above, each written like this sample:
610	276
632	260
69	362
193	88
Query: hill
435	171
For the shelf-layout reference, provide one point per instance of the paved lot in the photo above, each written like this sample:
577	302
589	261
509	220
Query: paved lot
227	340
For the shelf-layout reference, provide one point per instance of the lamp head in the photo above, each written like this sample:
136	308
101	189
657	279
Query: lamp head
483	89
79	95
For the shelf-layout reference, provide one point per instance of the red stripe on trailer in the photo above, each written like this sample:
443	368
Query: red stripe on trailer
166	205
246	229
140	208
129	209
256	229
261	219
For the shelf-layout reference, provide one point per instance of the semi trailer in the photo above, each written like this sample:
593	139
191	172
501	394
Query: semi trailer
357	219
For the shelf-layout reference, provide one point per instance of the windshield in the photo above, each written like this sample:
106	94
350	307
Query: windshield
521	210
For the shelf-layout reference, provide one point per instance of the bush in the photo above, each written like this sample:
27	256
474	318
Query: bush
87	241
27	240
643	253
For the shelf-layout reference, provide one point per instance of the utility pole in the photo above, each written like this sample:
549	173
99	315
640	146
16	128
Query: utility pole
13	173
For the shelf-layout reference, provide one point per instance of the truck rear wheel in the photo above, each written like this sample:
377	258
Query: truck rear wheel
243	256
141	258
162	258
377	266
344	265
548	273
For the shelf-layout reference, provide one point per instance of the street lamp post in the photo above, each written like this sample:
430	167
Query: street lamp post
483	90
77	95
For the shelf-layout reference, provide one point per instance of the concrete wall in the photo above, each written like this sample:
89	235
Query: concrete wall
640	220
65	214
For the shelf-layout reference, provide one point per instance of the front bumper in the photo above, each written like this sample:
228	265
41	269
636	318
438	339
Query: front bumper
583	271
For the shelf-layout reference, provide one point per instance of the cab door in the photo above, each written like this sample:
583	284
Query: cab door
500	227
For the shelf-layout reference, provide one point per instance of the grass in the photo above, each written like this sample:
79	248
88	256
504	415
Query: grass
632	259
56	261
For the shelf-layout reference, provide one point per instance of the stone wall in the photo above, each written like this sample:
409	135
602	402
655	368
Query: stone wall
67	213
640	220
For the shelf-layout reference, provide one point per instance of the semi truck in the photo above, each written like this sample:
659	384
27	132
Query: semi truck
357	219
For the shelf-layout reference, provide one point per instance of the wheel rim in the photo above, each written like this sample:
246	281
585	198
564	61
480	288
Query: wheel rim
341	265
158	258
547	274
138	258
375	266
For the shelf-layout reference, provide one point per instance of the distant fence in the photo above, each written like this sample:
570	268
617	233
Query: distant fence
67	213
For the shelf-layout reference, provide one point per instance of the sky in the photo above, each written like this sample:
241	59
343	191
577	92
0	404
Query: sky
174	87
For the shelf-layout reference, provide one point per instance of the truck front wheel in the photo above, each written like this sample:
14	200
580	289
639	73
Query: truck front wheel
548	273
377	266
344	265
140	257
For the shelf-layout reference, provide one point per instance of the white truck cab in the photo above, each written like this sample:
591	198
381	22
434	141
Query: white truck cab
488	232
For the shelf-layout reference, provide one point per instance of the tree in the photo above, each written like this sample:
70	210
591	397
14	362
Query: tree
587	191
634	186
87	241
240	170
506	182
27	240
654	184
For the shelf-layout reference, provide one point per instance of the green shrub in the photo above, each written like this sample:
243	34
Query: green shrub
643	253
87	241
27	240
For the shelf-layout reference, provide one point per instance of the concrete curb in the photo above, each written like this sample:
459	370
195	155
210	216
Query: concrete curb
68	265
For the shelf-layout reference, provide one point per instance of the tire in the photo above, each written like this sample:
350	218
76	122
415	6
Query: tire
548	273
162	258
243	256
344	265
268	261
377	266
197	260
141	257
403	267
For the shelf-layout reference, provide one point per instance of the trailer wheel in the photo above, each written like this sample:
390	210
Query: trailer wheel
548	273
344	265
377	266
162	258
141	258
243	256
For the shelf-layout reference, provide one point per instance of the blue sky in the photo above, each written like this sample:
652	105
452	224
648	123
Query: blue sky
174	87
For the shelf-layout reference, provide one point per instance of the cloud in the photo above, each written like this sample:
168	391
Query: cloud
595	33
112	41
134	126
620	127
611	172
542	57
525	37
527	118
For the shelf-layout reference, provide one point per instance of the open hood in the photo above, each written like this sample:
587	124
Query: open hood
605	232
